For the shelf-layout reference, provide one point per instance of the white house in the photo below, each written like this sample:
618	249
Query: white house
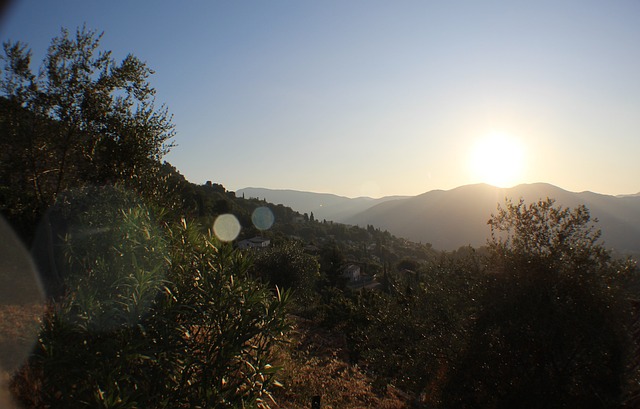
256	242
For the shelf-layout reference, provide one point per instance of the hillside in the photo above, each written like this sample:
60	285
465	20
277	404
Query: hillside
322	205
453	218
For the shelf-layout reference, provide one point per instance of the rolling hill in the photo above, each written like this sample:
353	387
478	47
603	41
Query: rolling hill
457	217
323	205
452	218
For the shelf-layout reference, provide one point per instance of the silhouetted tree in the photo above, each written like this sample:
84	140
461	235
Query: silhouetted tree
550	331
86	119
287	266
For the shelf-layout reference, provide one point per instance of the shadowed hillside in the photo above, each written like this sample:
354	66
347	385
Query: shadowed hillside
323	205
453	218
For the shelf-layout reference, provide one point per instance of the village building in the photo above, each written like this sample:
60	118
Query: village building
352	272
255	242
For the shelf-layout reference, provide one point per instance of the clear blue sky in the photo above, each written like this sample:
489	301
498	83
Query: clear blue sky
380	97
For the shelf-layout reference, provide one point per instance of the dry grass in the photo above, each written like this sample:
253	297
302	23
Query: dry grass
19	325
314	364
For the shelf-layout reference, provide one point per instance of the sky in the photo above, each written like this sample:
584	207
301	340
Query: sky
377	98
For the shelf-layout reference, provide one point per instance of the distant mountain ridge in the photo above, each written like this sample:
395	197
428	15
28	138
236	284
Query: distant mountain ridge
452	218
457	217
323	205
630	195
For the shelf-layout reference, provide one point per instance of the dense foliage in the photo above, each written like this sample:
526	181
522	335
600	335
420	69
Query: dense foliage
149	310
84	119
156	315
552	302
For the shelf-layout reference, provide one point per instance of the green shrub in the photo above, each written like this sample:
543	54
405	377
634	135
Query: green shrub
156	316
229	323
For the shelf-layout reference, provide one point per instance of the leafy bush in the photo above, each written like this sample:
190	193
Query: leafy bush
228	322
155	316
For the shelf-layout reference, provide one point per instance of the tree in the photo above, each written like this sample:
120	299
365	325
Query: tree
546	236
332	261
288	266
550	331
85	119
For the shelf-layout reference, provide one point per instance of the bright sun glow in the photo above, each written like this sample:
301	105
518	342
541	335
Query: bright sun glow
497	159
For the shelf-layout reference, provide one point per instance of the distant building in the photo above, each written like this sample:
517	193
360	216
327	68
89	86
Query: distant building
352	272
256	242
311	249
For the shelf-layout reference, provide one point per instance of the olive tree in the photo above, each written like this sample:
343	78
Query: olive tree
82	119
551	327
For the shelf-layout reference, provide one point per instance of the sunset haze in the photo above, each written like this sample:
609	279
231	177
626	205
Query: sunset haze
380	98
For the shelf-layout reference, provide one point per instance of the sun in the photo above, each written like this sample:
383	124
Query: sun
497	159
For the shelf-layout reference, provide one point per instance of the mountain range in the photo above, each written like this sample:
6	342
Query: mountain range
324	206
452	218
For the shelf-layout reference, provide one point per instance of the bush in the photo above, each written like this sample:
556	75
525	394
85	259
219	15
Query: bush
155	316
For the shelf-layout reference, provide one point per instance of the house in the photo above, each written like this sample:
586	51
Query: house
352	272
256	242
311	249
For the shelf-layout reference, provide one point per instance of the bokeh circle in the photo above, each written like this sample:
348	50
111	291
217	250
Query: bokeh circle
262	218
226	227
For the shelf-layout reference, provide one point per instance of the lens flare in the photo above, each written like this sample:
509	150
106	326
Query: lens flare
262	218
226	227
118	261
